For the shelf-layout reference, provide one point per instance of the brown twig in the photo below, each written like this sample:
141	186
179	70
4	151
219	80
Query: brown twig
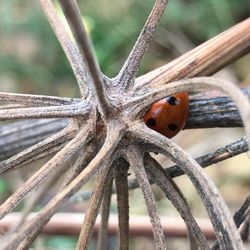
204	60
103	231
101	159
71	51
50	168
71	110
135	159
121	182
126	76
172	192
225	230
74	18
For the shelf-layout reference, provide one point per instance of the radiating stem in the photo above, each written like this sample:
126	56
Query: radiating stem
103	231
128	72
74	18
102	177
50	168
225	229
30	153
173	193
99	161
121	181
70	49
204	60
72	110
135	159
36	100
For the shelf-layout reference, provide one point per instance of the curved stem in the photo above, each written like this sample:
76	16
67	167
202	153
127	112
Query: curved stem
204	60
30	153
225	229
135	159
36	100
126	76
103	231
173	193
60	199
199	83
81	162
87	228
71	51
72	110
74	17
218	155
121	181
50	168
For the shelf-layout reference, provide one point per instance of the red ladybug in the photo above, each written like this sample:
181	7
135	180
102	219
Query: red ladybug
168	116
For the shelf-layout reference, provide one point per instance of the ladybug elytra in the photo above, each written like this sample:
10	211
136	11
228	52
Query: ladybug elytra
168	116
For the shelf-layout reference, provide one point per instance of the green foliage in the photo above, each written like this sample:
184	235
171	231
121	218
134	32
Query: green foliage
32	61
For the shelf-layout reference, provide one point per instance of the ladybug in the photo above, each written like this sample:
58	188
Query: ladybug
168	116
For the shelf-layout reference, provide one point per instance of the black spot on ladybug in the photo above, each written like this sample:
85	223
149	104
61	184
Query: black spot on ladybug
172	126
151	122
172	100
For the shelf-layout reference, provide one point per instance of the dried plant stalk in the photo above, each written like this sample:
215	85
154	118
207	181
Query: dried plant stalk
135	159
103	231
121	181
114	109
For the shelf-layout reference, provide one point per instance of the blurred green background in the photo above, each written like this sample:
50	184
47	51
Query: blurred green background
31	61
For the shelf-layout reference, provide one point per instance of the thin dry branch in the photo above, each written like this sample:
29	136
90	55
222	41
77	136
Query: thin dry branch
126	76
36	100
225	152
121	181
203	113
72	110
240	216
135	159
172	192
102	178
242	213
18	136
70	49
50	168
100	160
204	60
225	229
73	16
30	154
103	231
82	161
